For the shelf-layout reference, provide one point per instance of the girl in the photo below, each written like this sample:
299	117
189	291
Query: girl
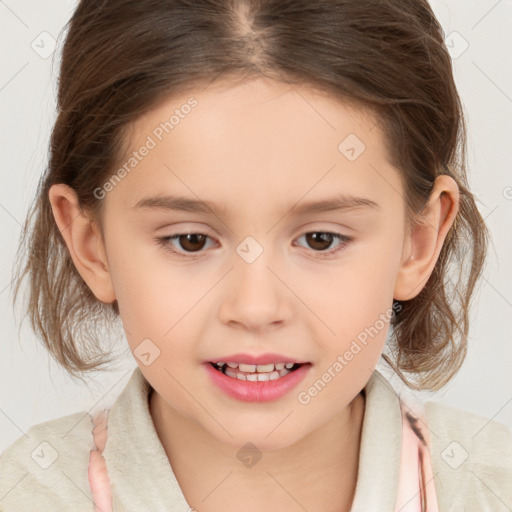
314	155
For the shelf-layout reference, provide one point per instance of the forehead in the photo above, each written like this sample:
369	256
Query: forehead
258	138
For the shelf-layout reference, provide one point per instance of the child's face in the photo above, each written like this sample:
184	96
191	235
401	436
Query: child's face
261	282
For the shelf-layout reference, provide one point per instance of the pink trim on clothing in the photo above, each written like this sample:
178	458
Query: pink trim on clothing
416	489
98	474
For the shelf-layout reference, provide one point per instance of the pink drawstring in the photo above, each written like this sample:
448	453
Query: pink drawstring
416	489
98	475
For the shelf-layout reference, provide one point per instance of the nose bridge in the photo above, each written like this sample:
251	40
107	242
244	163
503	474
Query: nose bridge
256	297
252	273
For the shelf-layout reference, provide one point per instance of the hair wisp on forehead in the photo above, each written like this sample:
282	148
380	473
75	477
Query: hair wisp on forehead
121	58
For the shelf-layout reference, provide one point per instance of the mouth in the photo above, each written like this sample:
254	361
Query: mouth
256	372
262	378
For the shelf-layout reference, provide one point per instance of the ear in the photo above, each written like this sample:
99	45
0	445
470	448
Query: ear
84	241
424	240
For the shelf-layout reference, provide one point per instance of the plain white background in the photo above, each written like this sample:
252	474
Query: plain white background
34	389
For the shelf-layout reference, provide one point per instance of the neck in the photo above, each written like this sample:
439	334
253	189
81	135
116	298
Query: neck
321	468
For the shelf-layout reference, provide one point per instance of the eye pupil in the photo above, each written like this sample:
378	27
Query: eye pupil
191	240
313	240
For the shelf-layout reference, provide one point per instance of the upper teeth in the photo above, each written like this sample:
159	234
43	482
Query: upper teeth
250	368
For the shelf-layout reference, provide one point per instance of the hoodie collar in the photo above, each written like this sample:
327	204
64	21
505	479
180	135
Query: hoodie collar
142	478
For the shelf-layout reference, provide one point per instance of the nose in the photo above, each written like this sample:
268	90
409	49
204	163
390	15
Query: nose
256	296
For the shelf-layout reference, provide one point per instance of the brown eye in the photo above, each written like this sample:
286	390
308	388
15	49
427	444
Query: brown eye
192	242
189	243
319	241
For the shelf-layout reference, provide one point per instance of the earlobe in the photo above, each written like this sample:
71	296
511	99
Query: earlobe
424	242
83	240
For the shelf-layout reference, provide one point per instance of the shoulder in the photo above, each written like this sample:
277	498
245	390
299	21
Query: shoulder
47	468
471	459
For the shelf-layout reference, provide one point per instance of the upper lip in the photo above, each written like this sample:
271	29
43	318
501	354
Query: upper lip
256	359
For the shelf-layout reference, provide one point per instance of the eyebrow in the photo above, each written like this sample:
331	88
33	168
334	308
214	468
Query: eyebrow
181	203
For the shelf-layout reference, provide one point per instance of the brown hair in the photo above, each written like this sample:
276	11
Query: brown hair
121	58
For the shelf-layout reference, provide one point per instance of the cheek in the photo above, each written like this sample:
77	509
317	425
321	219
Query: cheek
356	290
152	294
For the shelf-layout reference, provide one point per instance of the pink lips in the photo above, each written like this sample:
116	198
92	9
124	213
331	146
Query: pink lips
257	391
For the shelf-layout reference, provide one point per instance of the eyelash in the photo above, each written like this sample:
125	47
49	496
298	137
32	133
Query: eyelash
165	242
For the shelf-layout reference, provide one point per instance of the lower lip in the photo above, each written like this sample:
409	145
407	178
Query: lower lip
257	391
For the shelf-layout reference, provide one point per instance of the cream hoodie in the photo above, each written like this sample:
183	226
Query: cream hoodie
46	470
